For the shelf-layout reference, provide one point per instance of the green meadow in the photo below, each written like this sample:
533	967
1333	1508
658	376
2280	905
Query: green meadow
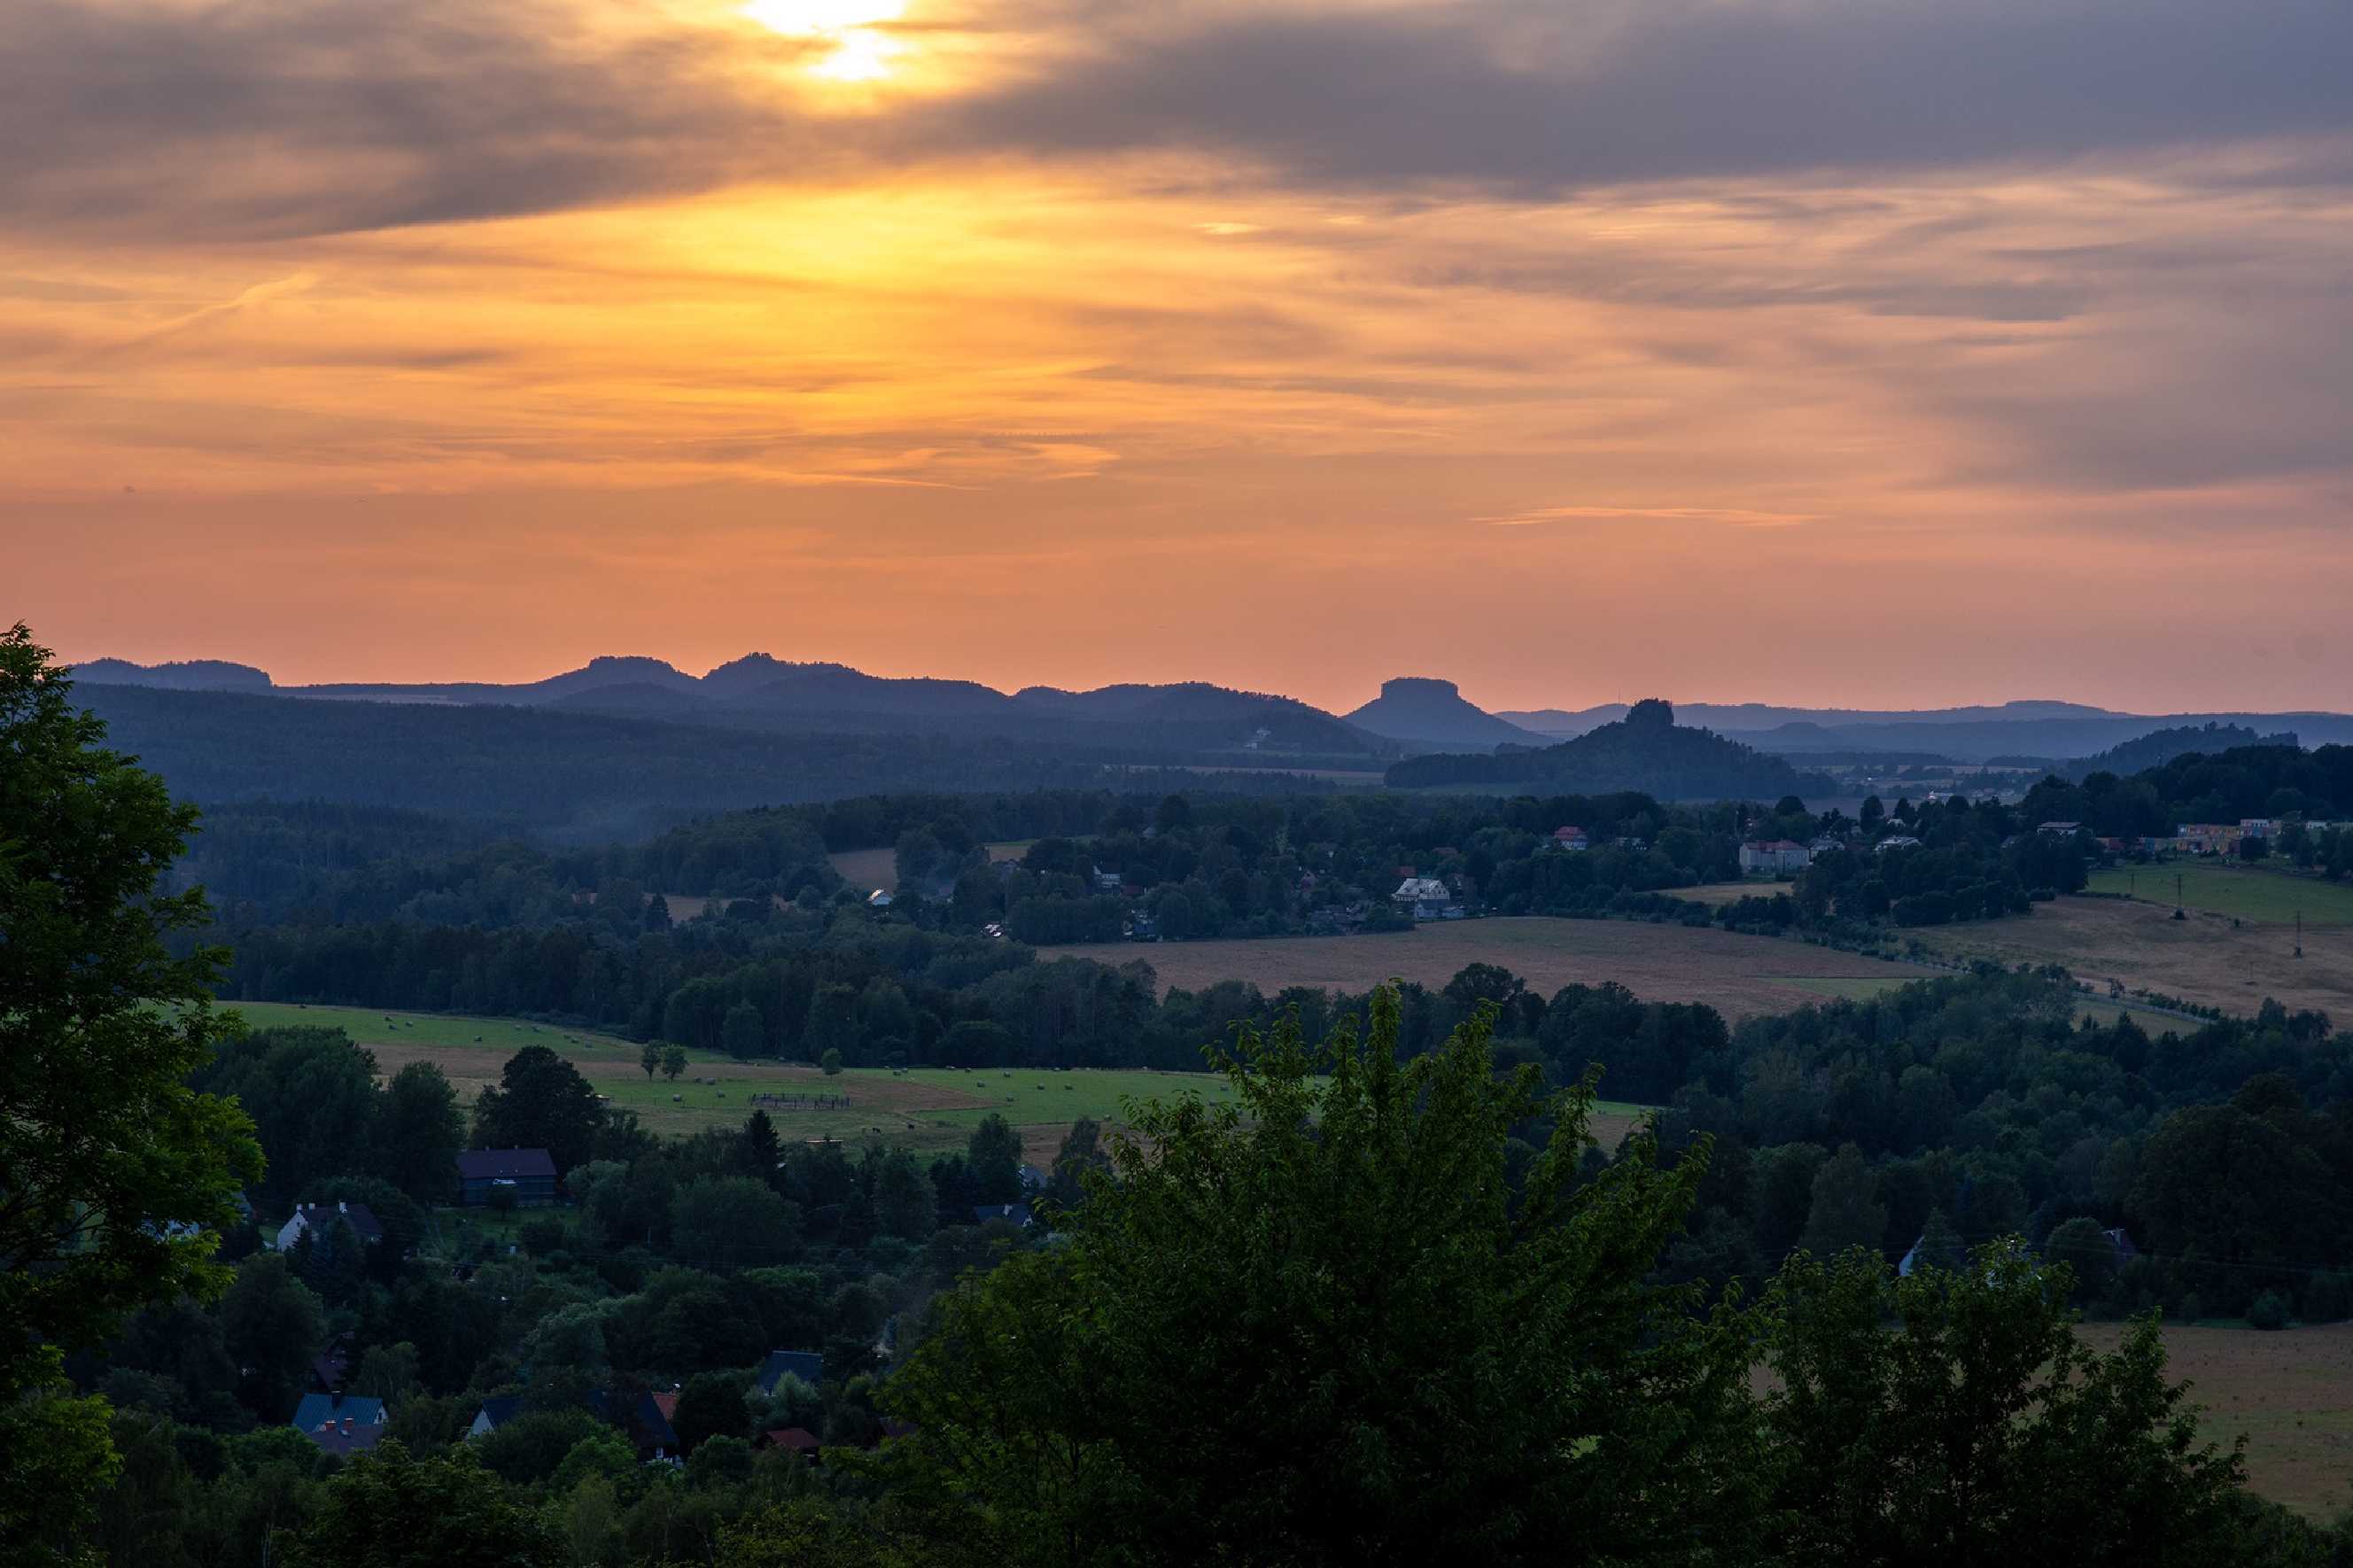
2241	892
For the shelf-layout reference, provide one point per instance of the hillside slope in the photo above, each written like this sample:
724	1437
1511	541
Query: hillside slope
1645	751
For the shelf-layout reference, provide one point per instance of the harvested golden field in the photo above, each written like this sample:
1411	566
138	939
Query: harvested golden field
1715	893
2290	1392
2204	959
1739	975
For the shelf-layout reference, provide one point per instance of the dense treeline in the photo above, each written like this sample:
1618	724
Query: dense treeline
2268	781
1356	1253
2159	747
1977	1106
675	1266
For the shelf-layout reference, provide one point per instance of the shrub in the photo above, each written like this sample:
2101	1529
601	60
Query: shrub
2328	1299
2269	1311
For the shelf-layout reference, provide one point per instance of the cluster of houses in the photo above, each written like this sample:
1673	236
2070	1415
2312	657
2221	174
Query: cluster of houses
346	1424
528	1174
2190	837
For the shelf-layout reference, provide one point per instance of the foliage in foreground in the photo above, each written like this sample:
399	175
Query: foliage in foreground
115	1177
1357	1317
1348	1317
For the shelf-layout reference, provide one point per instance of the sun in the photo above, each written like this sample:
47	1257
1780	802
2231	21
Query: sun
859	52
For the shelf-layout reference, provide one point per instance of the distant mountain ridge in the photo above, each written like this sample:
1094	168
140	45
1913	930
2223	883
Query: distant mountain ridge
2047	729
1411	713
761	692
187	674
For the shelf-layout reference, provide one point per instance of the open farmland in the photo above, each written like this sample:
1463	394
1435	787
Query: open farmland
922	1108
2203	959
867	870
2246	892
1739	975
2290	1392
1714	893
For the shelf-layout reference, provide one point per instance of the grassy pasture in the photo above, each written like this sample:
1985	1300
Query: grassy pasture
922	1108
2246	892
2290	1392
1739	975
918	1108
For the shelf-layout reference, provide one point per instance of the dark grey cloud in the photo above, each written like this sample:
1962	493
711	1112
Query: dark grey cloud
261	118
1533	96
269	118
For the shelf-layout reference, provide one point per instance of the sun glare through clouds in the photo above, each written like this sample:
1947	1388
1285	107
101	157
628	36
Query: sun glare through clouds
860	50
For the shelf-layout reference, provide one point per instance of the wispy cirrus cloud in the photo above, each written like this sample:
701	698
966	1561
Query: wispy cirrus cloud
1737	517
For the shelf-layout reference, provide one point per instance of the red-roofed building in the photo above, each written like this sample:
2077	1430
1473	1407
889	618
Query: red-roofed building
793	1440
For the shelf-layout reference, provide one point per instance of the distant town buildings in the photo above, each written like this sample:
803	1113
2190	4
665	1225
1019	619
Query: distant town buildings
359	1216
1774	856
1422	898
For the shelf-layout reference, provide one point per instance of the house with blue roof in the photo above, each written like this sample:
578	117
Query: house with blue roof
340	1423
806	1365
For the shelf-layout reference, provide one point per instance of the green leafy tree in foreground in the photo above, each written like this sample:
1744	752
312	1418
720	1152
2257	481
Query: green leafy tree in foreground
386	1510
116	1178
1954	1417
1318	1325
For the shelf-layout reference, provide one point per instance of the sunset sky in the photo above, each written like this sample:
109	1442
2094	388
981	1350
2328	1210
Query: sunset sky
1894	353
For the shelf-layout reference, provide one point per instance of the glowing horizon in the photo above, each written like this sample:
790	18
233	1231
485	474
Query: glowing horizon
1576	357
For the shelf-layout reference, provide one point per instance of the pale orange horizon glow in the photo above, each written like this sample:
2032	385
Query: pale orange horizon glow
901	369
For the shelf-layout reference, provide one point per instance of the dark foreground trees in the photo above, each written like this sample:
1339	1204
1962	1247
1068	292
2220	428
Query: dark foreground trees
387	1510
1324	1324
115	1177
1358	1316
1954	1417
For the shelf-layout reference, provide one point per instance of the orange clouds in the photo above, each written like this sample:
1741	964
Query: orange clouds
629	337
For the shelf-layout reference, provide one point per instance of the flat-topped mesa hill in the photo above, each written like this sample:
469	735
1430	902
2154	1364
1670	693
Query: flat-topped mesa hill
1646	751
1431	713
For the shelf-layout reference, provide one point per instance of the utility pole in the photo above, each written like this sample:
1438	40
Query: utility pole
2179	913
2299	934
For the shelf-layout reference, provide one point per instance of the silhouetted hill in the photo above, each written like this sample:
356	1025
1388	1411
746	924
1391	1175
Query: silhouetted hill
2162	746
1645	751
1435	713
578	774
189	675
